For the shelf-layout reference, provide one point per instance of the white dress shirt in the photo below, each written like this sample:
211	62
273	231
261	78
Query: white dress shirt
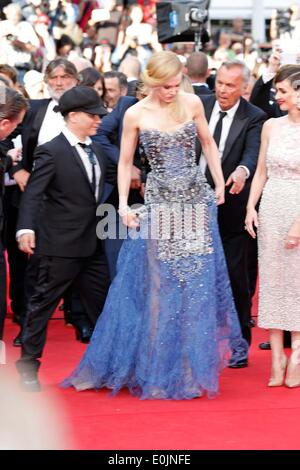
52	125
74	142
226	125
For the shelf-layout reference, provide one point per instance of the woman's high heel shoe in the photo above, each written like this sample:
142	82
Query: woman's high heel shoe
278	374
293	373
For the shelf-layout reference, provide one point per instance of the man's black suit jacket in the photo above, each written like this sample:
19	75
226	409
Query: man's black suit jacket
241	148
29	130
67	222
263	97
201	90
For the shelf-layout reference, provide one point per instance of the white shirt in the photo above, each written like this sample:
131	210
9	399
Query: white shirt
74	142
200	84
52	125
226	125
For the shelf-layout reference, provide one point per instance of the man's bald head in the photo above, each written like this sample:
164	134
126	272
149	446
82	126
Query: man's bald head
197	67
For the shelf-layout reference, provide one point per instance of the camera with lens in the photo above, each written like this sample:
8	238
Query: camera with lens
197	16
182	21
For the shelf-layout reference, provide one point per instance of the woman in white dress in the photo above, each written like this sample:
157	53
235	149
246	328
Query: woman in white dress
277	179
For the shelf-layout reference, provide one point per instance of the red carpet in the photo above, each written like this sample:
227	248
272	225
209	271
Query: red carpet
246	414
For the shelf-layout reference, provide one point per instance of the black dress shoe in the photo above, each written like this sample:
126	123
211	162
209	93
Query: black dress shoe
265	346
83	333
29	381
68	317
16	319
18	340
238	364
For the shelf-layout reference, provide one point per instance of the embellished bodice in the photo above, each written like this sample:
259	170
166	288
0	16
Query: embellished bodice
283	154
174	175
170	153
178	199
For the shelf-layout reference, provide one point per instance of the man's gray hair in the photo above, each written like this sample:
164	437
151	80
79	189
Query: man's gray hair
68	67
230	64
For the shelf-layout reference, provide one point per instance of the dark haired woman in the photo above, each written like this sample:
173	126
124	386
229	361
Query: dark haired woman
92	78
277	178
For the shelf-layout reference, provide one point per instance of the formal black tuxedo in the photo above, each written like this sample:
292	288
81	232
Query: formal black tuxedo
263	97
69	204
22	281
241	148
202	90
68	248
29	130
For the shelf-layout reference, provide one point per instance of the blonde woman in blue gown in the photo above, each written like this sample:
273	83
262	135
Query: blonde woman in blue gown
169	323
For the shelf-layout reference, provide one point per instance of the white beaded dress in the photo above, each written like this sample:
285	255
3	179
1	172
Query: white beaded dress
279	268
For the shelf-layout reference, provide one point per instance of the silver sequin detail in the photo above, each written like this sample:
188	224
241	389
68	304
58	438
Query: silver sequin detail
177	197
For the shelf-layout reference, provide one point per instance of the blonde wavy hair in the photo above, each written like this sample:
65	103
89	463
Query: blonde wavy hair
161	67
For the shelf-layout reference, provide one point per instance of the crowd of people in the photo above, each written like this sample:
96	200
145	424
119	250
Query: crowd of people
106	135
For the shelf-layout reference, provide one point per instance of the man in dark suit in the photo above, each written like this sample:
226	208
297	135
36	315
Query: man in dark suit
12	110
40	125
198	72
263	93
236	126
68	175
109	136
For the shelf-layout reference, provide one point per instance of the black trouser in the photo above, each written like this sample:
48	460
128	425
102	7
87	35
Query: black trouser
72	304
2	289
55	275
17	260
236	253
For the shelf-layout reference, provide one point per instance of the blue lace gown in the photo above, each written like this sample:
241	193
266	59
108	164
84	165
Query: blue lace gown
169	322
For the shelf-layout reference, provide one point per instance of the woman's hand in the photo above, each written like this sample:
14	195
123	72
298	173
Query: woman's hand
129	217
131	220
251	221
220	194
292	239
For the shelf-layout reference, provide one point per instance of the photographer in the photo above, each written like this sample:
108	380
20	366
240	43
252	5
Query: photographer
139	39
18	41
283	22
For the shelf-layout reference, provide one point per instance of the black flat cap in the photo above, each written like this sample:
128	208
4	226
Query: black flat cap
81	98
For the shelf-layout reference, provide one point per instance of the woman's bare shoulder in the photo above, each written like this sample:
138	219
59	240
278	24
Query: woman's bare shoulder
190	98
191	102
272	123
132	114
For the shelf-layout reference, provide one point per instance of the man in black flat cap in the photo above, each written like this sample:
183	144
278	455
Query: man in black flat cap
68	175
